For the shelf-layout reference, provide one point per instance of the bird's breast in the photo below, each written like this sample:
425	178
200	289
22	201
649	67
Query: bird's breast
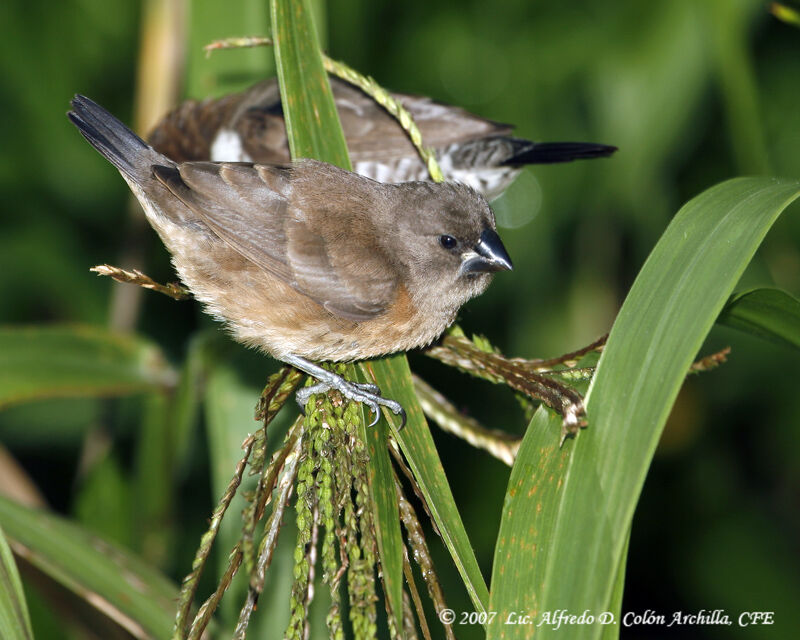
264	312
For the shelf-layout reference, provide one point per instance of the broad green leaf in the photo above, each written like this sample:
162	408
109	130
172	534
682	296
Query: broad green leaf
528	522
48	362
109	578
417	445
15	622
768	313
595	481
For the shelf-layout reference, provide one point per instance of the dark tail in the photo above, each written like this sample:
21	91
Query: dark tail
121	146
551	152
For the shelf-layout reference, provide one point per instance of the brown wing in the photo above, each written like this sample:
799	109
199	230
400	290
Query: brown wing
254	210
256	115
373	134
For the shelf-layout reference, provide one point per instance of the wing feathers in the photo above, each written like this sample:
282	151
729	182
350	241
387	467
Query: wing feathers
251	208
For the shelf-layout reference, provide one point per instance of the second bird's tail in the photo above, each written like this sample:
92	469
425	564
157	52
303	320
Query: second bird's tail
121	146
552	152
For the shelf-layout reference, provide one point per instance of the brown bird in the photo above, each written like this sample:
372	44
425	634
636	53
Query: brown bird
249	127
307	261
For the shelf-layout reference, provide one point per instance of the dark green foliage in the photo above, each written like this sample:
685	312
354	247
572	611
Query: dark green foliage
693	93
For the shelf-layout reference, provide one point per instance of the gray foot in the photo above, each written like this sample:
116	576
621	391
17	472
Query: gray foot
368	394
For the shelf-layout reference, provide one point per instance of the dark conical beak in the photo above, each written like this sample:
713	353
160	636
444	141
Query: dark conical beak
489	255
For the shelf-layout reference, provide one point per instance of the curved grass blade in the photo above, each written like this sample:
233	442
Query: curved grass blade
228	404
312	122
314	131
49	362
15	621
768	313
611	630
112	580
419	450
386	515
592	486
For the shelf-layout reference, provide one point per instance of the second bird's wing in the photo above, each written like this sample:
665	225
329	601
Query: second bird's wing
248	206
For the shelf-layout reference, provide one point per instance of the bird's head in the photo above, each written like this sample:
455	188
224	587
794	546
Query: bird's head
445	238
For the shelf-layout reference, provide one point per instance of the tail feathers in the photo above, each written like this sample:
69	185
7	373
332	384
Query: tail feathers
551	152
121	146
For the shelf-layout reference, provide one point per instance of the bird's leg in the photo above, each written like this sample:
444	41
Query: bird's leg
368	394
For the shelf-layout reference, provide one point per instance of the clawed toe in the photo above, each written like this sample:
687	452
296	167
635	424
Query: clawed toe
395	407
367	387
364	392
403	417
376	413
304	393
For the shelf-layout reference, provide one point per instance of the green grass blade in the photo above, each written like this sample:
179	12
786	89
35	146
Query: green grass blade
314	131
49	362
153	486
417	445
387	517
312	122
15	621
597	478
114	581
104	503
768	313
229	406
188	396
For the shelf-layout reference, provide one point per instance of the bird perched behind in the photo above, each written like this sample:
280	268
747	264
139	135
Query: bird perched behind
249	127
307	261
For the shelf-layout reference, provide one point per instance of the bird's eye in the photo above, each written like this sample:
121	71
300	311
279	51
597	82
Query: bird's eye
448	242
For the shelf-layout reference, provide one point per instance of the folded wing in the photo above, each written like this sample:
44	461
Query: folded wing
250	207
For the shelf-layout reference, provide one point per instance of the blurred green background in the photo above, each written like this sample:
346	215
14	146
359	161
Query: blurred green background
692	92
